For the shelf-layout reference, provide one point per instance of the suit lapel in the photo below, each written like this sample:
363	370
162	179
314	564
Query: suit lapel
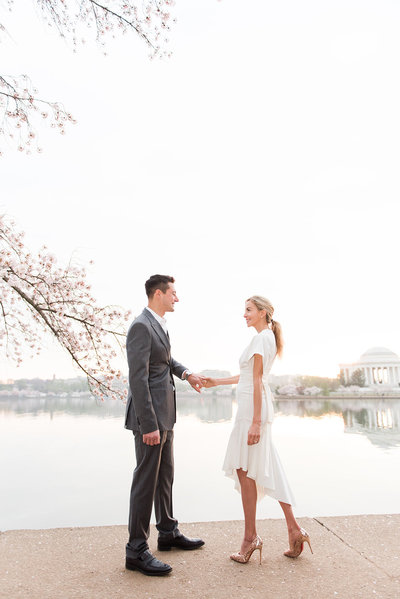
158	329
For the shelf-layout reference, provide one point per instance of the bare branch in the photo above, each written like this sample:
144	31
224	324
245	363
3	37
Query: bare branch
19	100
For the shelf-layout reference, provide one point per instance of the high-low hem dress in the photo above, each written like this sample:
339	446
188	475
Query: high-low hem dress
260	461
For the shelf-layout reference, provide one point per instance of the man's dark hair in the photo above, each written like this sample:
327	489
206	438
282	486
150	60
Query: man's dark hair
157	282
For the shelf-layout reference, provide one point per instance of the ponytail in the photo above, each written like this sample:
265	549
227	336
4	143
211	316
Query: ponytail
277	330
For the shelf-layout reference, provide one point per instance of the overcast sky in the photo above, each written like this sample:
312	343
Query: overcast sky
262	158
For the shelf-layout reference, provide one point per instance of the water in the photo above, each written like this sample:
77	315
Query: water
69	461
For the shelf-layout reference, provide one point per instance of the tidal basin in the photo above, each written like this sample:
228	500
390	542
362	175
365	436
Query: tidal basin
68	462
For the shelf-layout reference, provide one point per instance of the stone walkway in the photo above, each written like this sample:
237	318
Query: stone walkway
354	557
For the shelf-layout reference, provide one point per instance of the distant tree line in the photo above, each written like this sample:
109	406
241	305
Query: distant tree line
324	383
357	378
80	384
49	385
307	385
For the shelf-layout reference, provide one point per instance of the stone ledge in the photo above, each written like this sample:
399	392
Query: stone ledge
354	557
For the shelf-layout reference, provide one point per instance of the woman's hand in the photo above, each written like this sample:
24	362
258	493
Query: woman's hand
209	382
254	434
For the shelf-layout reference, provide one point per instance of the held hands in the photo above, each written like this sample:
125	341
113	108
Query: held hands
253	436
152	438
196	381
209	382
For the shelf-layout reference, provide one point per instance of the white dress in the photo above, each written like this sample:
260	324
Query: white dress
261	461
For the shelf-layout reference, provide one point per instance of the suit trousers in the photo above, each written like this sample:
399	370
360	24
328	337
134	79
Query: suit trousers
152	483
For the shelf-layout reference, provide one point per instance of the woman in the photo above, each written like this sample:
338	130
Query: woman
251	459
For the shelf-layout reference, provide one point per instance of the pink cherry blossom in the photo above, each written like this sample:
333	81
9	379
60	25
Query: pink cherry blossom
39	297
20	105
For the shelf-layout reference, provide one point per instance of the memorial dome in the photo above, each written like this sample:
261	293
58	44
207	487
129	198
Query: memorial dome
380	366
378	355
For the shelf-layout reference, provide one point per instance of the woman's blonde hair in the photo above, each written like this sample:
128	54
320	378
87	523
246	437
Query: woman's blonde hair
261	303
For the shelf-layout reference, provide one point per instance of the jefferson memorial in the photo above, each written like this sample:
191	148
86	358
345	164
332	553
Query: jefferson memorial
380	366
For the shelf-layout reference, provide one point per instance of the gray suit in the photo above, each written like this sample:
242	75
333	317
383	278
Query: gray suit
151	405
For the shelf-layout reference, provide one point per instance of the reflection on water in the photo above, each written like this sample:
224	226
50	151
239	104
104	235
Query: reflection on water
207	407
59	455
53	406
377	419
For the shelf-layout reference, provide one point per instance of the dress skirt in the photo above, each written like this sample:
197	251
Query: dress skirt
260	461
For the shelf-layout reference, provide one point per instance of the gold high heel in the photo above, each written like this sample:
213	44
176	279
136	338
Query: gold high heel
243	558
297	548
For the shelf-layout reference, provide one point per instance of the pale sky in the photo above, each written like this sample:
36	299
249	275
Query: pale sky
262	158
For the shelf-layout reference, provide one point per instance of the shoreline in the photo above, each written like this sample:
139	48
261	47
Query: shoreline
278	397
207	394
354	557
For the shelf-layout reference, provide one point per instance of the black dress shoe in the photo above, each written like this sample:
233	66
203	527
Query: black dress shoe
147	564
181	542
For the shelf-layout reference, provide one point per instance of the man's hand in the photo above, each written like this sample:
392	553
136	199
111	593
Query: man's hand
196	381
152	438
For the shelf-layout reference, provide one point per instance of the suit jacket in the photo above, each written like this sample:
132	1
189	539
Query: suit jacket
151	401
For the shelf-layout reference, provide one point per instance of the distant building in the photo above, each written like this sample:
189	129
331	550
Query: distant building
380	366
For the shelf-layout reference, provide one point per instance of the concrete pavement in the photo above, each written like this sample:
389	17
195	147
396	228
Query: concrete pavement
354	557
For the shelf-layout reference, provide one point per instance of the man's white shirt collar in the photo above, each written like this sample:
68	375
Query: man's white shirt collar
160	319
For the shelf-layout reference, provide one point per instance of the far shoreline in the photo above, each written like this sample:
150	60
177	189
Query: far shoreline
208	395
360	396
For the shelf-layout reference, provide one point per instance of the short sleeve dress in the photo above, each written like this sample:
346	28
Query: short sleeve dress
261	461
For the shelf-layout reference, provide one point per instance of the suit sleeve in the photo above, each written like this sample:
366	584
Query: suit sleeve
138	347
177	368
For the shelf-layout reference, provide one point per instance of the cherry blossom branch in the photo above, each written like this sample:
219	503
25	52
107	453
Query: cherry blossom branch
38	297
121	19
19	101
18	106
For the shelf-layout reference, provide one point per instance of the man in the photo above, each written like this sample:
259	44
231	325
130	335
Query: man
151	415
